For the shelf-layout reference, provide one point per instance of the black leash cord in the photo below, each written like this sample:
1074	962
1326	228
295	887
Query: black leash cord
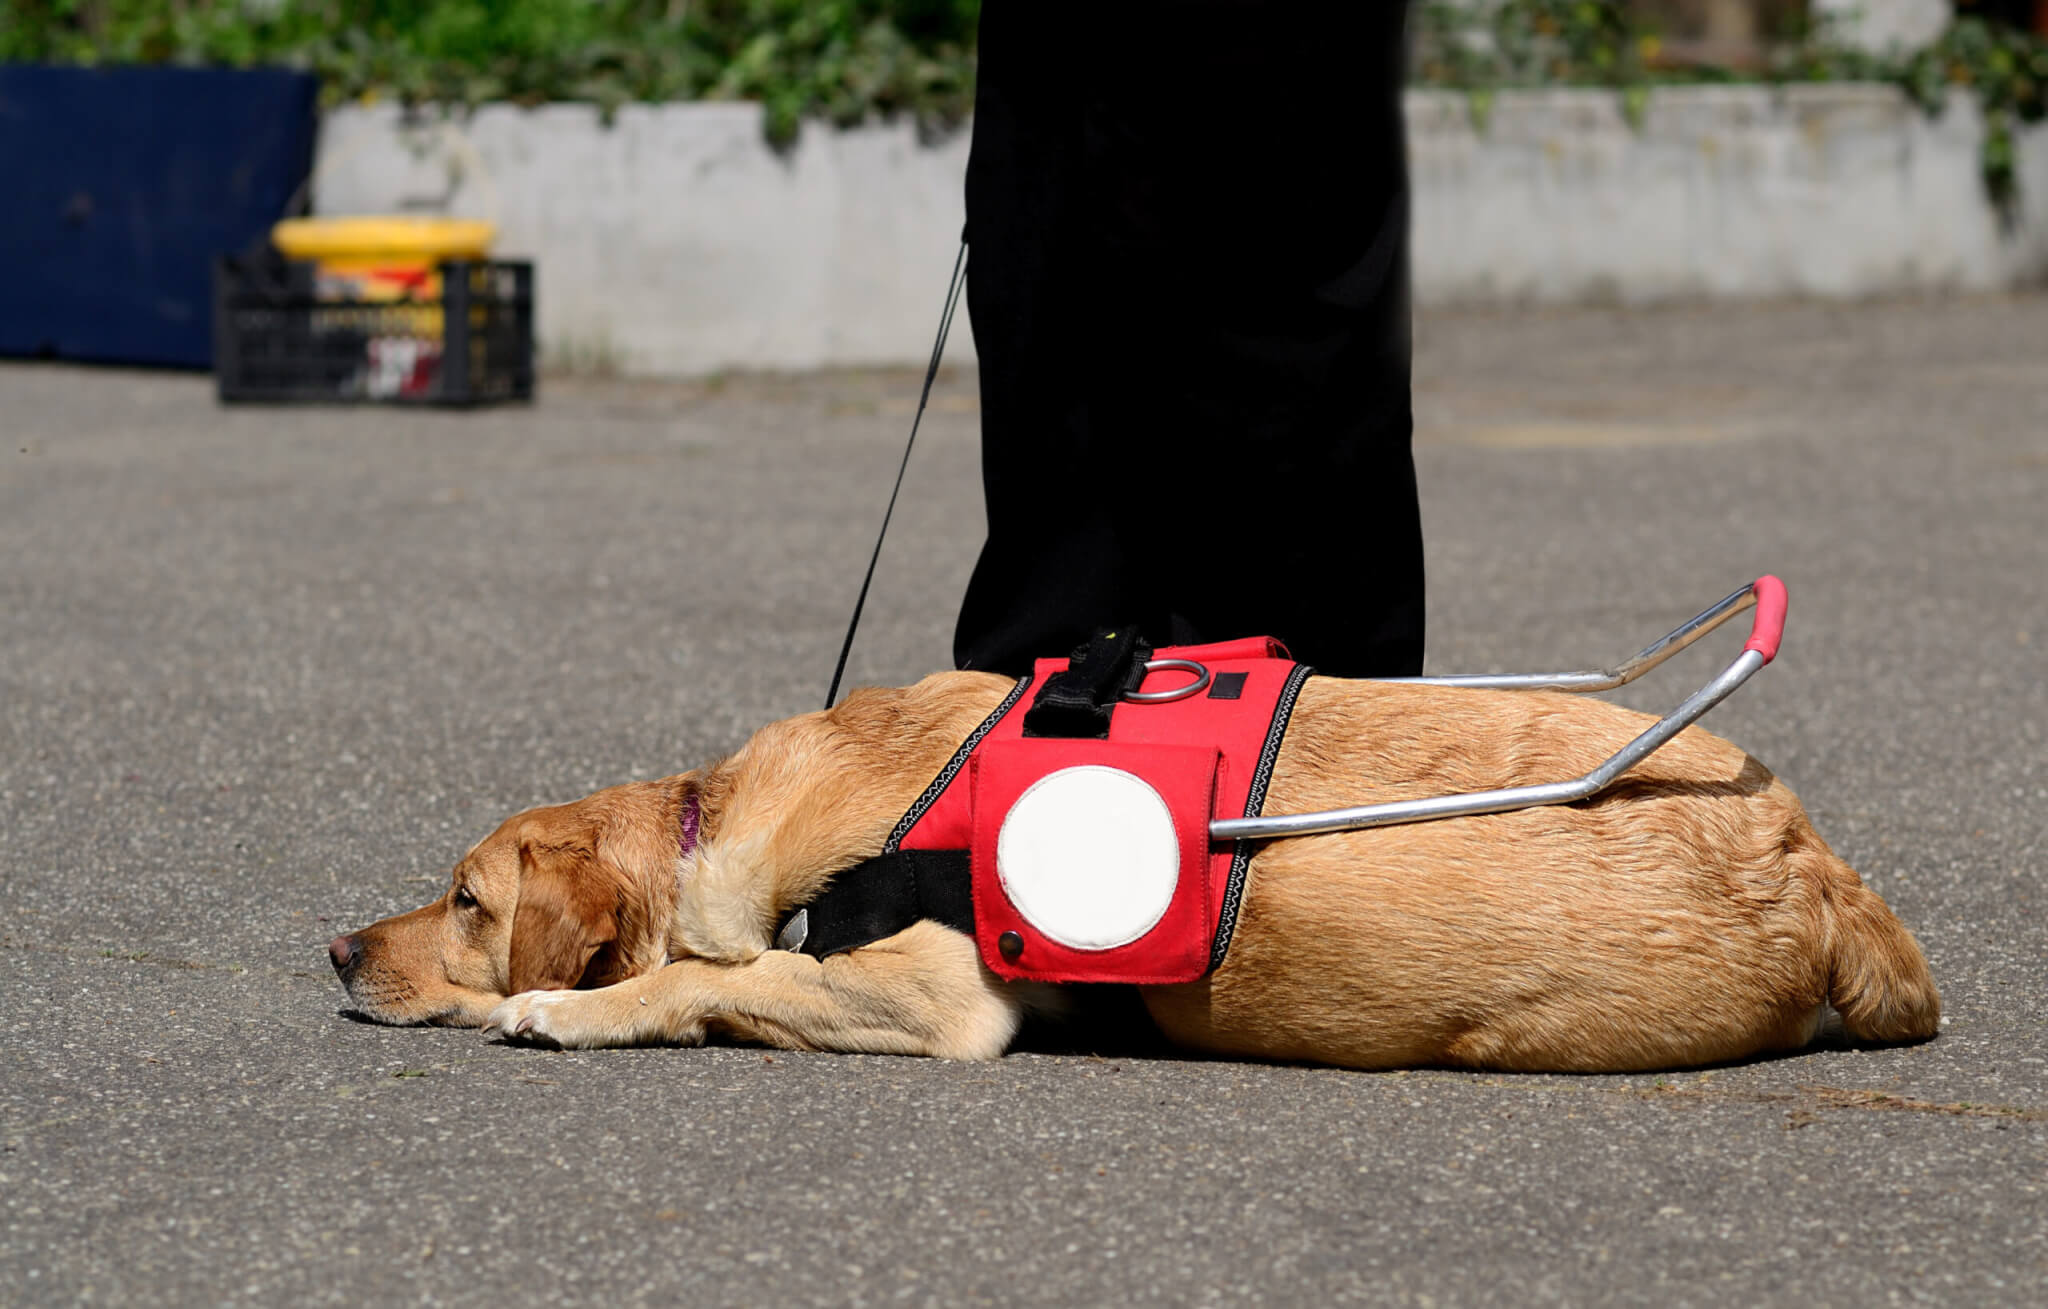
931	374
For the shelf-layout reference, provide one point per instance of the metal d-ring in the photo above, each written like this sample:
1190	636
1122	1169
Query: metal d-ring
1195	687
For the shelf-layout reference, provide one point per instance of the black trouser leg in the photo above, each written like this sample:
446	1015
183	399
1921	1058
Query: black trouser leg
1187	275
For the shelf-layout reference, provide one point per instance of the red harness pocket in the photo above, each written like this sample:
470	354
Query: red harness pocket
1090	860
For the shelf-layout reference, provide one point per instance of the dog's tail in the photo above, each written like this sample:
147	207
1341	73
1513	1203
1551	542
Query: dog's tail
1877	977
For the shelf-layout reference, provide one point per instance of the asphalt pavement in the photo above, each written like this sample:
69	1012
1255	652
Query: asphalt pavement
266	673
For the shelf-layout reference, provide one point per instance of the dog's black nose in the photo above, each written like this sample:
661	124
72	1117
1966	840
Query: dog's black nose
344	952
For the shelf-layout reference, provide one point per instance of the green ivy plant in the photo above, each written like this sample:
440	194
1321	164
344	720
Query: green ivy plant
1513	43
846	61
1483	48
839	60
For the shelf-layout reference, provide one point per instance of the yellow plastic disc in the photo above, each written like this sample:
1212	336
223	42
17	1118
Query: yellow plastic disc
395	237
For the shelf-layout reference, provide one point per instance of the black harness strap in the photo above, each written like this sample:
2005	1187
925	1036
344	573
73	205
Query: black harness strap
880	898
1079	701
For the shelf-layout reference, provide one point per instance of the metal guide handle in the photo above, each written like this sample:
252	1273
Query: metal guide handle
1766	593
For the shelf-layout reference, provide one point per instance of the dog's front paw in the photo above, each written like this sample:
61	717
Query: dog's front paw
532	1017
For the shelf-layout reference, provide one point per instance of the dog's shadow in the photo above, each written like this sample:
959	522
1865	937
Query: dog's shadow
1111	1022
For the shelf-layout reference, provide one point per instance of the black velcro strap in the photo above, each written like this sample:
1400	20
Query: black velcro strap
1078	703
879	898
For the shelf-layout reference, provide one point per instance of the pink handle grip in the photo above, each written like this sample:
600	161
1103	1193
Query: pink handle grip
1769	626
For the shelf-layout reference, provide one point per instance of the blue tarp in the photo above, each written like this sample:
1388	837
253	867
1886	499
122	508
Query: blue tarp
118	186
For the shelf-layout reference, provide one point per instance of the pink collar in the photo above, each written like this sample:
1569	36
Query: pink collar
686	828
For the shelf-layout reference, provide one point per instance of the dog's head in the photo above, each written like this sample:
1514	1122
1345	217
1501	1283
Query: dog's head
573	895
594	892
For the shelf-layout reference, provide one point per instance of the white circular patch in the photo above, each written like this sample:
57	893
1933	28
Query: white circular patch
1089	857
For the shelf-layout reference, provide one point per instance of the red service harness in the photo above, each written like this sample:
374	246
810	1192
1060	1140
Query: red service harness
1079	848
1081	824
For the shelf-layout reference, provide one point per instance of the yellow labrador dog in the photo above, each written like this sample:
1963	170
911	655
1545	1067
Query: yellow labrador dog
1687	916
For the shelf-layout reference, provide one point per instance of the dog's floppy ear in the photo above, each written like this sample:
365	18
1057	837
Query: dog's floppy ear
568	911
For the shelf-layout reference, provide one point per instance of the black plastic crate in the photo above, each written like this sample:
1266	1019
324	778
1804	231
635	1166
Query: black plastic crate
279	339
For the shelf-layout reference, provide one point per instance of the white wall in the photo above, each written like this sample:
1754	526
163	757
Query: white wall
1818	190
675	242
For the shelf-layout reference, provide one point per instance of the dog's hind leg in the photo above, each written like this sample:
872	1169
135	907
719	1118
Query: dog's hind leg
923	991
